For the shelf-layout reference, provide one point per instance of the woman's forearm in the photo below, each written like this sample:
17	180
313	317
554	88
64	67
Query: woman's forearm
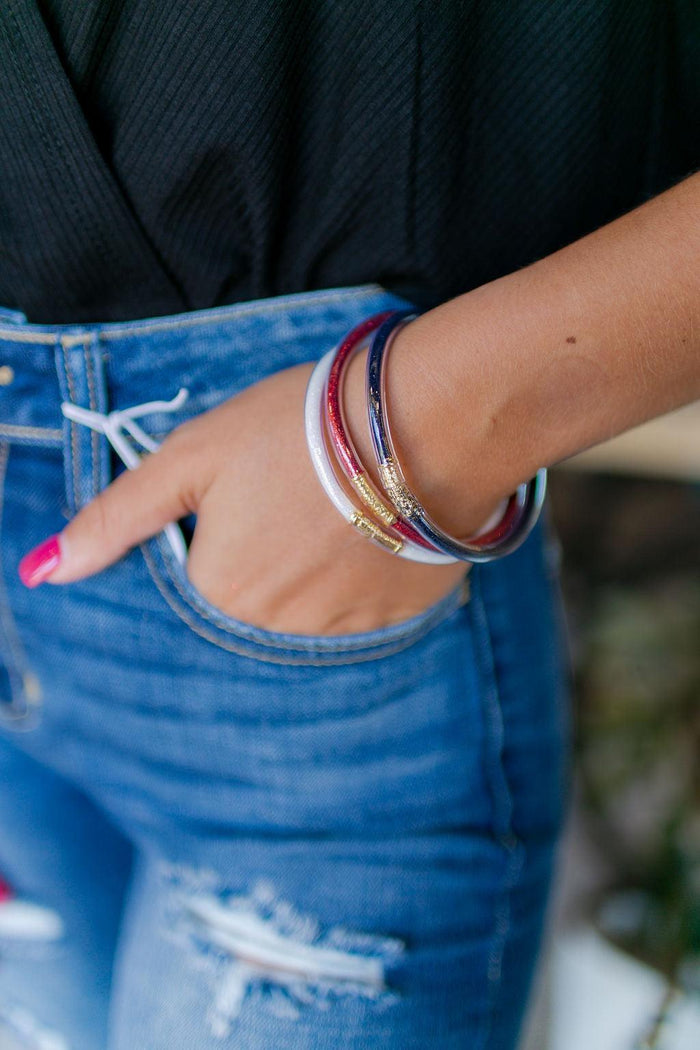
547	361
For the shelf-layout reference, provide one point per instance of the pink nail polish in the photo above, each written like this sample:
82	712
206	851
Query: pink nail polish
40	562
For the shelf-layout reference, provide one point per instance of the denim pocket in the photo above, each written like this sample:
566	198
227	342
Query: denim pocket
228	632
215	362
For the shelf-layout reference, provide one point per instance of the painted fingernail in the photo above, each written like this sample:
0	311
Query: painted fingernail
40	562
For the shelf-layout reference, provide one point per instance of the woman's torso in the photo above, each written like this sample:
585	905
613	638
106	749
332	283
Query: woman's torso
158	158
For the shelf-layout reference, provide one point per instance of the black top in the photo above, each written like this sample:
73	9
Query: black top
165	156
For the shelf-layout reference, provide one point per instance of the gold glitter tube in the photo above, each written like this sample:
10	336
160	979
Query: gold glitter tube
403	500
372	500
368	528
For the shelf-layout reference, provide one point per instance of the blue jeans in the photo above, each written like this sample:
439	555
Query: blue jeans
235	837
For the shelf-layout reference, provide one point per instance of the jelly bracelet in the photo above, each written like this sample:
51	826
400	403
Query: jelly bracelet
314	418
523	507
345	450
349	460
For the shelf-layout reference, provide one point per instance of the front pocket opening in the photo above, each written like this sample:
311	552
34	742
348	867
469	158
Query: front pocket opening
208	620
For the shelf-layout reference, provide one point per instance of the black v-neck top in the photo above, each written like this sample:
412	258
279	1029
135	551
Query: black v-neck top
165	156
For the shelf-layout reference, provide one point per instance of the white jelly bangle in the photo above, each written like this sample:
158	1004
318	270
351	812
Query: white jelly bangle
314	416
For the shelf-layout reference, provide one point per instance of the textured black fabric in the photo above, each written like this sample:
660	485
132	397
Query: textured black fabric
165	156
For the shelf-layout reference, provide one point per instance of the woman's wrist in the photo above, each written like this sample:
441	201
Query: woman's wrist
419	440
537	365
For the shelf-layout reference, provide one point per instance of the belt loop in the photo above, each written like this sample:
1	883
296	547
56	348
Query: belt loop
98	397
81	378
12	316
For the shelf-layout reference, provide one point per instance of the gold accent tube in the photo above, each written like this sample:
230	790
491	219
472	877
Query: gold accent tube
404	501
368	528
372	500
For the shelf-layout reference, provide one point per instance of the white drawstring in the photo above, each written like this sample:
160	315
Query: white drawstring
113	424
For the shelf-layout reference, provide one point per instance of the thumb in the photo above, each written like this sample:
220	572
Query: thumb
136	505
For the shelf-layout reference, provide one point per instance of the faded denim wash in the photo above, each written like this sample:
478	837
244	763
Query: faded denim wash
243	838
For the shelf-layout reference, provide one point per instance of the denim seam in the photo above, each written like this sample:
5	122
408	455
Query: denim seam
431	615
9	336
94	436
75	451
272	306
501	799
16	430
265	306
336	657
20	665
4	605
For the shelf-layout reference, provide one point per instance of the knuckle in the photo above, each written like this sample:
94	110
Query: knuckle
189	451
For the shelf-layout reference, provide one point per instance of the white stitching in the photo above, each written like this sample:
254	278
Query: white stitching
19	430
75	451
456	594
264	307
304	659
94	437
285	302
10	336
501	798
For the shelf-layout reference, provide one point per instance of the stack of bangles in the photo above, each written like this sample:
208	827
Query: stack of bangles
395	519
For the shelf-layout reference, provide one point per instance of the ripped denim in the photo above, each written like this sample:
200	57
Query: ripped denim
217	835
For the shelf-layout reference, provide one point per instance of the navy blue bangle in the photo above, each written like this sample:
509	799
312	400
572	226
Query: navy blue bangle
524	506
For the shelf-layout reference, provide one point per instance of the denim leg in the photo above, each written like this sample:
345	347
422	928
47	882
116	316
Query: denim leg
68	869
342	841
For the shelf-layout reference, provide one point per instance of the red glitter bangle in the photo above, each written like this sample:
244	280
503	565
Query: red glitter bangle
350	461
342	442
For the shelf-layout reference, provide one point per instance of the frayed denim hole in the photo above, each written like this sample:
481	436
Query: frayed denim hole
256	945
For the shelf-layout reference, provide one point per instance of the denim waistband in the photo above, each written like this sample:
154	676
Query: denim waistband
14	326
42	365
103	368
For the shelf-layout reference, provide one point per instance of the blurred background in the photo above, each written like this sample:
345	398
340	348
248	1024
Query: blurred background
621	970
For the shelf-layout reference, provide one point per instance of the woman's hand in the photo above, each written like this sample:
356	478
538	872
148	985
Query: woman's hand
268	547
484	389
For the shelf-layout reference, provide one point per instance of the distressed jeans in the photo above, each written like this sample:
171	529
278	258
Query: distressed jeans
222	836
